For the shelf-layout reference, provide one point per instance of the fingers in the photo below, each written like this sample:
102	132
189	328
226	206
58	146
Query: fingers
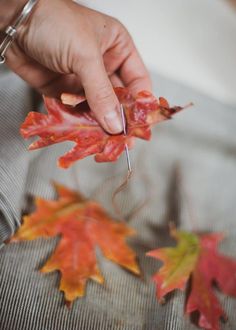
123	56
45	81
116	81
134	73
100	94
27	68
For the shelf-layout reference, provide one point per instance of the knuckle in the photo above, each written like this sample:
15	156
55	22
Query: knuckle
120	27
124	37
118	23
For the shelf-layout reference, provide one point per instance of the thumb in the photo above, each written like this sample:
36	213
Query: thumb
100	95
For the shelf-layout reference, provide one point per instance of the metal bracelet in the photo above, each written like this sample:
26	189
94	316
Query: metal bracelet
11	30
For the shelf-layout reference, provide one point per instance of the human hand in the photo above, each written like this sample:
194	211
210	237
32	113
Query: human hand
65	47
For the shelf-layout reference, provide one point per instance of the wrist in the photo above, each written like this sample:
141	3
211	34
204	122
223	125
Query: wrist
11	29
9	10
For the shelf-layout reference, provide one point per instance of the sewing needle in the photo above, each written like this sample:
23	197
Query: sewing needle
125	133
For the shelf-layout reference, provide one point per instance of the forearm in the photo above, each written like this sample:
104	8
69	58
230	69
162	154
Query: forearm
9	10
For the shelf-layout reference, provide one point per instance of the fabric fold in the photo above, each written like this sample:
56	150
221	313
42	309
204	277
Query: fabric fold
15	101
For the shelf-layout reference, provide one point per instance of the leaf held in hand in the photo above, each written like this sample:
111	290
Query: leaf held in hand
197	256
82	225
72	120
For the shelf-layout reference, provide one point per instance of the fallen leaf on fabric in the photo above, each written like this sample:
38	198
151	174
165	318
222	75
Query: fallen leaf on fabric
74	121
179	263
82	225
196	257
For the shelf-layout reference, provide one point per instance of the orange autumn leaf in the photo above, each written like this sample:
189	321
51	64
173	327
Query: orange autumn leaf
72	120
196	257
82	225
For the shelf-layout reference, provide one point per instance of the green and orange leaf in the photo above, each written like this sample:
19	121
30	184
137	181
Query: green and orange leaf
179	263
196	257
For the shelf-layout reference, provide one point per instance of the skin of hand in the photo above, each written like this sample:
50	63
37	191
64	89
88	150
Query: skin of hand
66	47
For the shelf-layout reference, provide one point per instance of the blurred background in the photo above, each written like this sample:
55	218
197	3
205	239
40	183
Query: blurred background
191	41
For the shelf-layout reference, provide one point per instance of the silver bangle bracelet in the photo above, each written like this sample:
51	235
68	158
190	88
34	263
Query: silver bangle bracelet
11	30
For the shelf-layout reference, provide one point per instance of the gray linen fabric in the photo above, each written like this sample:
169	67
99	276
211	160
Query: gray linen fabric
189	167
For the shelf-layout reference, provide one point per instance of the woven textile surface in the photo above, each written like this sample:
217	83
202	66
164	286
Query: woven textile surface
187	170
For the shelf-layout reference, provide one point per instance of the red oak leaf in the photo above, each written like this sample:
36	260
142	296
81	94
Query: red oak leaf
211	267
75	122
82	225
196	256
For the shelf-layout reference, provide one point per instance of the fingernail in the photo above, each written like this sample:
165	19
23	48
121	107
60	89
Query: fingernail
113	121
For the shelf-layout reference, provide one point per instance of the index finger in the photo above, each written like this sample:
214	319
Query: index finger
134	74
